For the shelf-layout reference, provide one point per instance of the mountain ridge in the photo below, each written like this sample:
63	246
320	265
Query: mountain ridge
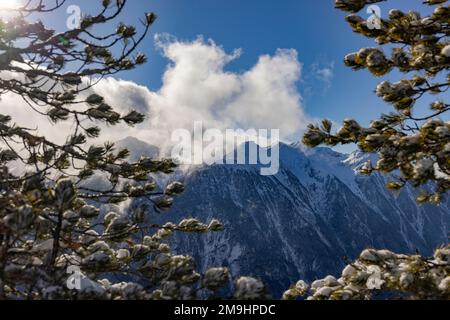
305	221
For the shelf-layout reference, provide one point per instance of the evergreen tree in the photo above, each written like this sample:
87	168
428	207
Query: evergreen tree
384	274
54	240
414	144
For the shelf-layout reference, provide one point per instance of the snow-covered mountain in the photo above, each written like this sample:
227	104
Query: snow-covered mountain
137	148
304	222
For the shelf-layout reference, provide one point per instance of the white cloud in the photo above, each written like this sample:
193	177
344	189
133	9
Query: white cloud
197	87
324	72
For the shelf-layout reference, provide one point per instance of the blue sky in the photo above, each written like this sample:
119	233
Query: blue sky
315	29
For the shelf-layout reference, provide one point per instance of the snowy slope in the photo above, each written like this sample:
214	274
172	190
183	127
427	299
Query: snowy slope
303	222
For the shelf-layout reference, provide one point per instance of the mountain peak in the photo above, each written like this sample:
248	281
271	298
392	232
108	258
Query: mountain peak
138	148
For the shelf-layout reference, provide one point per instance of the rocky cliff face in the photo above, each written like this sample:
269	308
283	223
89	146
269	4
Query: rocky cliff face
304	222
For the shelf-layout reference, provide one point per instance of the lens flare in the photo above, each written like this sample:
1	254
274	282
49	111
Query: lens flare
9	4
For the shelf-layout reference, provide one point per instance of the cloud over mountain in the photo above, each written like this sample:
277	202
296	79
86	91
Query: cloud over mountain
197	87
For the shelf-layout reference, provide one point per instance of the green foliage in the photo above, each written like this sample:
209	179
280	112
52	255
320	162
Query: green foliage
51	222
418	146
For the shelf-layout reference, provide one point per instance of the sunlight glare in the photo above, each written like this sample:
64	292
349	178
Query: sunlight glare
9	4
